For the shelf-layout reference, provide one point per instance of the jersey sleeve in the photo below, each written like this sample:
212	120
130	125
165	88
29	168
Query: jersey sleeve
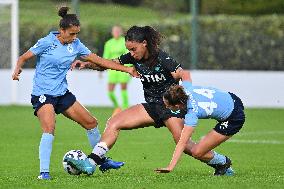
169	62
191	119
126	59
186	84
83	50
40	46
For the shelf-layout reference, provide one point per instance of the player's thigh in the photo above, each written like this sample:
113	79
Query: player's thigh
175	126
131	118
81	115
46	116
209	142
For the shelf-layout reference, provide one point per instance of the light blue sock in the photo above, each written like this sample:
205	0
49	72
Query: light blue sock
45	148
217	159
94	136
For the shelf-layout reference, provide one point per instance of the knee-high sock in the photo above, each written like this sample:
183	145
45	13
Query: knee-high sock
94	136
45	148
113	98
124	97
217	159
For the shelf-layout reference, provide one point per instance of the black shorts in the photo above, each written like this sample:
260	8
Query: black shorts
60	103
159	113
235	121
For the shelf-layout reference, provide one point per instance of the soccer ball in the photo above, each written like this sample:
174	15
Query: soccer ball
75	154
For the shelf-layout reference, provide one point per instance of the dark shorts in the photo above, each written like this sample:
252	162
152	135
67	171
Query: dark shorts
235	121
60	103
159	113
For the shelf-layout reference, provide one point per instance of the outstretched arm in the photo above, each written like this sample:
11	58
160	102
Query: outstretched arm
22	59
109	64
183	141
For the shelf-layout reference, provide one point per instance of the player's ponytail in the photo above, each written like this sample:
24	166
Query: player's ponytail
147	33
63	11
68	20
176	95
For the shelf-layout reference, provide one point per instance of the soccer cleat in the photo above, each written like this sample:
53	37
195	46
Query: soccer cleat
222	169
44	176
82	165
229	172
110	164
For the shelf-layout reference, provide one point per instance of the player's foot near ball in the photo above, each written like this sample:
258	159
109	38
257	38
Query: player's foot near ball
82	165
110	164
44	176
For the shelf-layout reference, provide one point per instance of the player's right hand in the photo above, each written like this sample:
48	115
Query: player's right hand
16	74
78	63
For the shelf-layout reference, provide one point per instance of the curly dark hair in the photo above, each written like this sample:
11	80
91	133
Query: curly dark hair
147	33
176	95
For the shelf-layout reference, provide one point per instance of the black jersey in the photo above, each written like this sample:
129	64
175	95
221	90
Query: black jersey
156	79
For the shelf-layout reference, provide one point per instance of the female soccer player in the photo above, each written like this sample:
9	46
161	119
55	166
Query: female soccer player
205	103
158	71
114	48
55	54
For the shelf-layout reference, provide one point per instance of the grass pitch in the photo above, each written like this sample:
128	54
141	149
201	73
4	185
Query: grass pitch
257	154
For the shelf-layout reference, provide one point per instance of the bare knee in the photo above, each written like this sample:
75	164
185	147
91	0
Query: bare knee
48	128
197	153
91	123
112	125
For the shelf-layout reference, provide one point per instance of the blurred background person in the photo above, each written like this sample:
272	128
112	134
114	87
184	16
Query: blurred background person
114	48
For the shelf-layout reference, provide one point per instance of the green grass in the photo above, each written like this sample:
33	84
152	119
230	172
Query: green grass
258	163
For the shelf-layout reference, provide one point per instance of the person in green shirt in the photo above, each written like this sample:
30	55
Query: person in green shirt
114	48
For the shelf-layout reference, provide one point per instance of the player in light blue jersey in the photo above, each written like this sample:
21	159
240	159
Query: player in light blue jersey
205	103
50	95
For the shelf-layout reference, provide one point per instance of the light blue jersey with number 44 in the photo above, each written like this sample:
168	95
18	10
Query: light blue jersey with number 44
206	103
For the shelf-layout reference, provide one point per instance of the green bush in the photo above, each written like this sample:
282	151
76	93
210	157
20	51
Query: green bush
230	42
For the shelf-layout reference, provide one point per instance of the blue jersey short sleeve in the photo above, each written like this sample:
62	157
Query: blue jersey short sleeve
191	119
82	49
40	46
186	84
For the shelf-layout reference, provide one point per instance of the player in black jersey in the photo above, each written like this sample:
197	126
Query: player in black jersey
158	71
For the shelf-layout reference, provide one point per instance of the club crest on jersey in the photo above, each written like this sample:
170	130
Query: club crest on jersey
157	68
70	48
153	78
42	99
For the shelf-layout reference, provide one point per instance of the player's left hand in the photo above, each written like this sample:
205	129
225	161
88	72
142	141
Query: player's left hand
133	72
162	170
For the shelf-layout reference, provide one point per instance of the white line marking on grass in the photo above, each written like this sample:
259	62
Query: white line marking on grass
261	133
255	141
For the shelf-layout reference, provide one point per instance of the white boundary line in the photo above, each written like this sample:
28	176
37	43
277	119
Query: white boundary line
255	141
261	133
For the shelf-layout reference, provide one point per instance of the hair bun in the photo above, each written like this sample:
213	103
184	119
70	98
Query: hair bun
63	11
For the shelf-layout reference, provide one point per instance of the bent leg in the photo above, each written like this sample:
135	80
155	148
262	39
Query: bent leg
81	115
207	143
175	126
131	118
